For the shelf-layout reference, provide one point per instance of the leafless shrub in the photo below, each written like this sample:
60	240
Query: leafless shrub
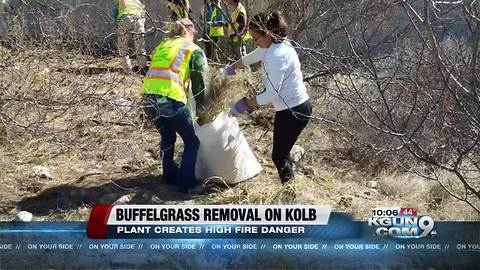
398	79
408	87
52	85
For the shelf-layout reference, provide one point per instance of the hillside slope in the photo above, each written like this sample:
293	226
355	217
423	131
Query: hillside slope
80	120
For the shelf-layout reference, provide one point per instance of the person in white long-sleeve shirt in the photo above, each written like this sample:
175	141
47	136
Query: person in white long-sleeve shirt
284	87
5	9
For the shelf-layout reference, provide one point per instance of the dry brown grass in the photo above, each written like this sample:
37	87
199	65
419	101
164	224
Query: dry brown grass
227	90
121	150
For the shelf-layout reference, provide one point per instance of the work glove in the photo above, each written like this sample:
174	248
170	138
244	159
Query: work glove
240	107
229	70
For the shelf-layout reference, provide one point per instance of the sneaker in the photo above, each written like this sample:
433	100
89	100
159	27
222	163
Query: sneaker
169	180
287	179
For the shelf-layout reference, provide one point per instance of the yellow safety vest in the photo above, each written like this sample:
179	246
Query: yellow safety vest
133	7
169	71
182	12
215	31
240	9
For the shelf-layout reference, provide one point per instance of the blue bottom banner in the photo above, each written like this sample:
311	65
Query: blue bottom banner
343	243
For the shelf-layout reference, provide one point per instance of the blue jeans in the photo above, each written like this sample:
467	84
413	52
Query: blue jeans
171	117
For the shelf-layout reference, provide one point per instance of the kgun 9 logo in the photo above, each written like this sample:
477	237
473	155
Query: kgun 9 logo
400	226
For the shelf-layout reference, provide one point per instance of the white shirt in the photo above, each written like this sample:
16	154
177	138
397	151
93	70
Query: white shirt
284	87
255	56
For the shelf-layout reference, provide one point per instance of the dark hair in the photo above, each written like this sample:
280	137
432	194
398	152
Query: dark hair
273	23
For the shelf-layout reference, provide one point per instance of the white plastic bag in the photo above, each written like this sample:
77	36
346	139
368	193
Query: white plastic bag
224	151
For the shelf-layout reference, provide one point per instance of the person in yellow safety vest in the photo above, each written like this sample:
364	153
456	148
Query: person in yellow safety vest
131	25
5	9
237	29
179	9
175	61
214	22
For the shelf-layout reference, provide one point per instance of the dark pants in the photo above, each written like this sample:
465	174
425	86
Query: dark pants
238	48
171	117
211	49
287	127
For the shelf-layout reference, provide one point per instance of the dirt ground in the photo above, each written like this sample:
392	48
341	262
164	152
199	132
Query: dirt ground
98	149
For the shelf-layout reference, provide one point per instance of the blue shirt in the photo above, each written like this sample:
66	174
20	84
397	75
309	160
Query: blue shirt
209	11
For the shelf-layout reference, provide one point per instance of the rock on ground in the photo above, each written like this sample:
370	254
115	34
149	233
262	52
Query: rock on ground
24	216
372	184
42	172
346	201
297	153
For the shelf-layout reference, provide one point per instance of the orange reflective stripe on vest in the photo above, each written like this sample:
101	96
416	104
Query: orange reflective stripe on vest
164	74
170	69
182	54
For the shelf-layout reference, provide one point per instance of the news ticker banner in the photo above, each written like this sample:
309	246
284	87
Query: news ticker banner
204	221
392	237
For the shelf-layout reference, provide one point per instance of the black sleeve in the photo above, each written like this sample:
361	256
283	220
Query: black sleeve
241	20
